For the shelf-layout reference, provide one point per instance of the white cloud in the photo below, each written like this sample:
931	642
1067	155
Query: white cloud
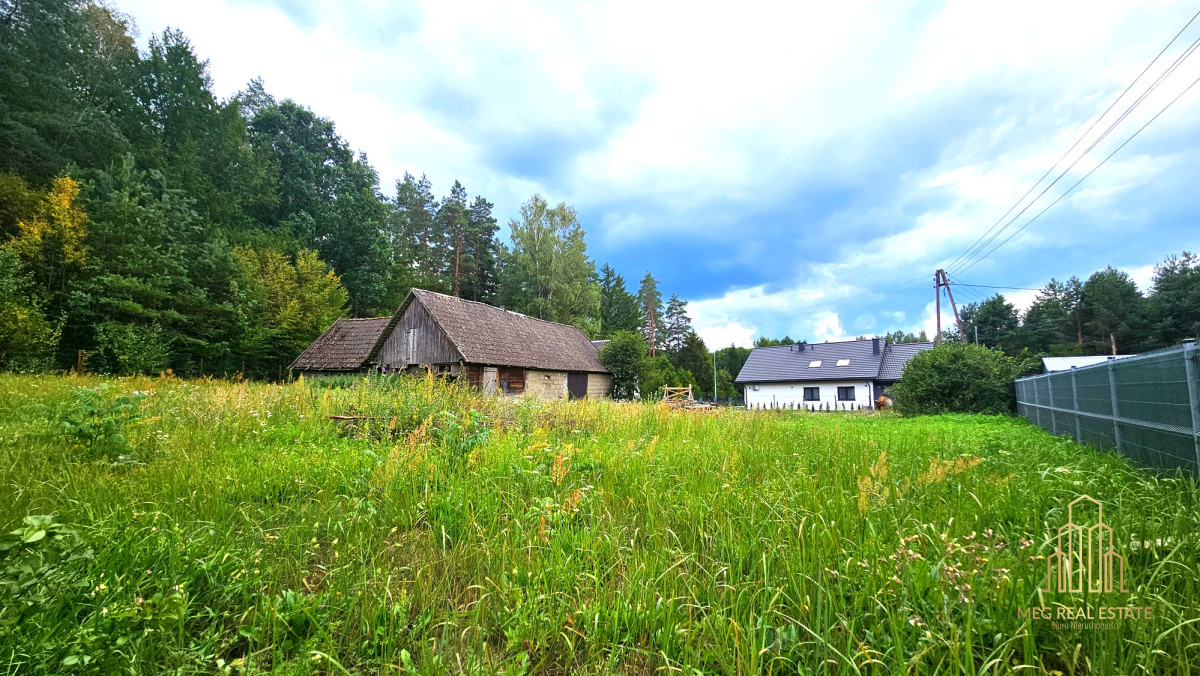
724	335
840	151
1143	276
829	327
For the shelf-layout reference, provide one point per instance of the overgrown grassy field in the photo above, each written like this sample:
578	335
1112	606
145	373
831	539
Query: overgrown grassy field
162	525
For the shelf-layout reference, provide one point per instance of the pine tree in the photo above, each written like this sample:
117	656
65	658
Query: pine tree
618	307
481	278
678	324
452	224
650	304
693	356
416	235
1112	310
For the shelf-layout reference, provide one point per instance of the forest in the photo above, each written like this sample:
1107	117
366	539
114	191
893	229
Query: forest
146	224
1104	314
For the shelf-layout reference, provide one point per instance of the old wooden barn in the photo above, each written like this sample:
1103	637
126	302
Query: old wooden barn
493	349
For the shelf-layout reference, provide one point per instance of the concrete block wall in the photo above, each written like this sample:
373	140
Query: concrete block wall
599	386
546	384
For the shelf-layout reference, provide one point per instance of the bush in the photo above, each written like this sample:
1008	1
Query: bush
958	378
27	340
131	349
623	356
658	372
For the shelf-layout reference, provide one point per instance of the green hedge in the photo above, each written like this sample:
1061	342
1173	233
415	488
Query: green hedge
958	378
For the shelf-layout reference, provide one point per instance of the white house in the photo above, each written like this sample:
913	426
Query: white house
846	375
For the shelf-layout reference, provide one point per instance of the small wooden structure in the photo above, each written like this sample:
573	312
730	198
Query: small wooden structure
677	396
681	398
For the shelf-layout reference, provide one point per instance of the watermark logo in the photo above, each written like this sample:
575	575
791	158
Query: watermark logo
1084	562
1085	559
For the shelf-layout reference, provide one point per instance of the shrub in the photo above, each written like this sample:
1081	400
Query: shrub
623	356
130	349
658	372
96	423
27	340
958	378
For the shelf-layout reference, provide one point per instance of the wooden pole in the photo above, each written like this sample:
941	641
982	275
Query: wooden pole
937	293
79	362
953	306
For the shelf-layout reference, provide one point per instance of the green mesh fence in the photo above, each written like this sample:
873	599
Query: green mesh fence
1145	407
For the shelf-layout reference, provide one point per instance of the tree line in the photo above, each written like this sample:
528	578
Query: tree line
152	225
1103	314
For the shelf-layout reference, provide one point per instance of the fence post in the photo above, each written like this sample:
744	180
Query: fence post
1189	366
1075	406
1116	409
1053	418
1037	401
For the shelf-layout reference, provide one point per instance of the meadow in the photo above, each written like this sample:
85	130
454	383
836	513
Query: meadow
156	525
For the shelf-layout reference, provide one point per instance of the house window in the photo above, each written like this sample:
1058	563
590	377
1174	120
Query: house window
816	363
843	362
812	394
846	393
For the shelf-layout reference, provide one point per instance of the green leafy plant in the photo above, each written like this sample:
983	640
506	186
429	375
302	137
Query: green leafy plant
32	559
958	378
97	423
461	435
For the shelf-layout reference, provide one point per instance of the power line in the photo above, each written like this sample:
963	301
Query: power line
972	247
1171	69
986	286
1085	176
968	263
973	253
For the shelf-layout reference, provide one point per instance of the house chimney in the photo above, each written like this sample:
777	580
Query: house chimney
801	346
875	346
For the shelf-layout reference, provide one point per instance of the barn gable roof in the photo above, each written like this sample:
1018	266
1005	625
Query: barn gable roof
485	334
345	346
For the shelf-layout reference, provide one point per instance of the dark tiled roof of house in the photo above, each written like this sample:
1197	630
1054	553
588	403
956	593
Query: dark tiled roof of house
896	358
485	334
818	361
870	359
345	346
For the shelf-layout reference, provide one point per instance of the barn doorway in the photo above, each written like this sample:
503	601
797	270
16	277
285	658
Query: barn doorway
490	377
576	385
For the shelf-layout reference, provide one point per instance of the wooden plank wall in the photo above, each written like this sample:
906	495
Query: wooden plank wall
515	378
432	345
474	374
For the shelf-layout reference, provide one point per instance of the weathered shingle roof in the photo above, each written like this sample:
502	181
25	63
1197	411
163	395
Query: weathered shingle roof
896	357
867	359
485	334
345	346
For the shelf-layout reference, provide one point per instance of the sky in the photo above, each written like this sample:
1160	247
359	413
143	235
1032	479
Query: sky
793	168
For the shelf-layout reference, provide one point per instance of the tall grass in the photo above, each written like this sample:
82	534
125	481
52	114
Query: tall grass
235	528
